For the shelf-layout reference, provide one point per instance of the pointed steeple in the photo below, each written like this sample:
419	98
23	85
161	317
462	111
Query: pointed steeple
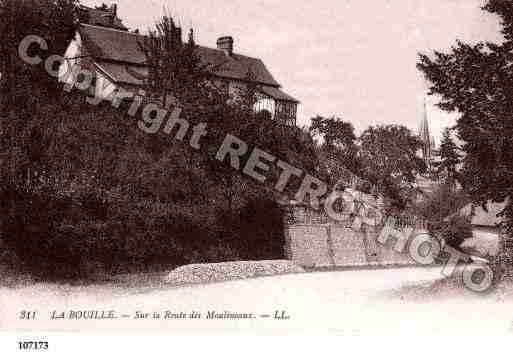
424	134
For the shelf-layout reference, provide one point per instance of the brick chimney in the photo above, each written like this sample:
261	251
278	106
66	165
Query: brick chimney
225	44
114	10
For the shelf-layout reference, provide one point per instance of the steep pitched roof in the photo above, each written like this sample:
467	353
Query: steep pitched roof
119	50
277	94
124	73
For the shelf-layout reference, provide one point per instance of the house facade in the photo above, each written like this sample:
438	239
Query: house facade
114	53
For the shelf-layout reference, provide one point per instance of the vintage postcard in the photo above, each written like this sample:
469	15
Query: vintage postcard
276	167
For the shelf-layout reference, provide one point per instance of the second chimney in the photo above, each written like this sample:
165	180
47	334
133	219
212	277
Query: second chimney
225	44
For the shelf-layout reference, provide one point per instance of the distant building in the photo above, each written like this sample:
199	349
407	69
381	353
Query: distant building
486	228
103	44
425	184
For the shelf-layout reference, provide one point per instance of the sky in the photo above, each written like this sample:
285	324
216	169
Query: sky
354	59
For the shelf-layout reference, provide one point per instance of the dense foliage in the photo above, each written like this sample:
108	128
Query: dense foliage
84	191
440	210
447	166
391	161
475	80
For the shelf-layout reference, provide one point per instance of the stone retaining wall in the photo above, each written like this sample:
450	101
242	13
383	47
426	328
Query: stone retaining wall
313	240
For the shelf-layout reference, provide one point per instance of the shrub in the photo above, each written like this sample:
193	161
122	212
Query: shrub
444	201
440	209
60	237
90	236
28	229
256	231
455	230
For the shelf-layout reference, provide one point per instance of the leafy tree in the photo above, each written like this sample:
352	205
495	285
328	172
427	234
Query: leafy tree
390	160
440	210
178	78
475	81
176	73
449	158
27	93
338	152
51	20
334	131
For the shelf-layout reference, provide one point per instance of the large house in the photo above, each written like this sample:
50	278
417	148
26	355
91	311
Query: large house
117	59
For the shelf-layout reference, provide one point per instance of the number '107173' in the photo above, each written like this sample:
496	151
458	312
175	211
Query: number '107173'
33	345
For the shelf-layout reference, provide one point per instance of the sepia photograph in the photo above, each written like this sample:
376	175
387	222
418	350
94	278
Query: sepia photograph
261	167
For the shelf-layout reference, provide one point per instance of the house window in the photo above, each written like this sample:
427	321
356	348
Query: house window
286	111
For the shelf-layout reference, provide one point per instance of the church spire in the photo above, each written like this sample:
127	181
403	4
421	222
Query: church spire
428	144
425	136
